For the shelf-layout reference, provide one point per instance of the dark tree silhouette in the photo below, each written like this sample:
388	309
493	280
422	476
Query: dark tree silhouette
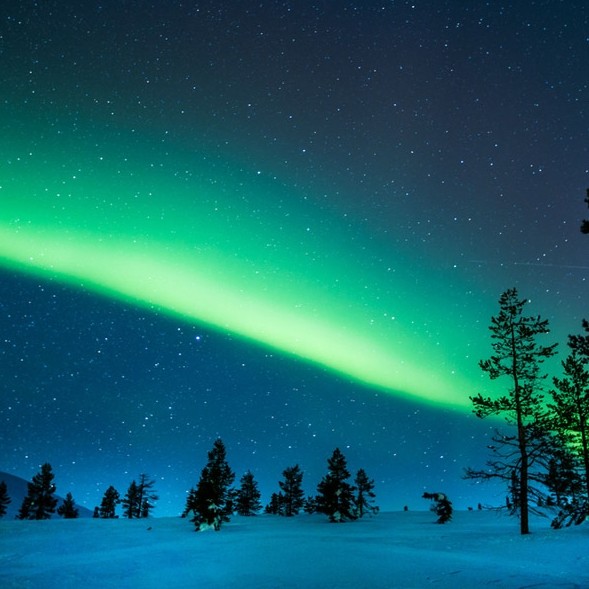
580	343
213	498
4	498
517	356
108	505
247	500
585	222
293	496
68	509
570	467
334	494
131	502
276	504
39	502
310	505
190	506
24	511
364	498
442	506
146	495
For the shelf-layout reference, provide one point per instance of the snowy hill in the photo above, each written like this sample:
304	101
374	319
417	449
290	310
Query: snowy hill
392	550
17	490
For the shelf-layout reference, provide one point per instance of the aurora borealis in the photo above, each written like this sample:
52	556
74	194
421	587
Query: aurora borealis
287	225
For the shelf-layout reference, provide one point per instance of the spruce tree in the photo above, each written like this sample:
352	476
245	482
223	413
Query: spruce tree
364	498
130	502
68	509
4	498
334	494
276	504
39	502
213	500
247	500
517	356
292	492
108	505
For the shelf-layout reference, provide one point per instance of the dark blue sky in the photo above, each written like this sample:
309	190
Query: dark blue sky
443	142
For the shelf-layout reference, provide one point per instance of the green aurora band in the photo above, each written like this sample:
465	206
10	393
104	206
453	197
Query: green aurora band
201	238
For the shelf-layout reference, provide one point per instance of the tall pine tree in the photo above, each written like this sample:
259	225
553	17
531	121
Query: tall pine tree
293	496
131	502
108	505
39	502
213	498
335	496
518	356
247	500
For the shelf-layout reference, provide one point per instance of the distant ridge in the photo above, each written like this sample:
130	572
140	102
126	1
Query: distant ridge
17	491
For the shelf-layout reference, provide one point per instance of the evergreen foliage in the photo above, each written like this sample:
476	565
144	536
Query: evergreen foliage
212	503
442	506
334	494
68	509
108	505
364	499
517	356
190	502
568	476
292	492
140	498
24	511
310	505
130	502
276	504
247	500
4	498
39	503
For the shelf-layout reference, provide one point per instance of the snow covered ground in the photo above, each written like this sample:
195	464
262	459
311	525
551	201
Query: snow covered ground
393	550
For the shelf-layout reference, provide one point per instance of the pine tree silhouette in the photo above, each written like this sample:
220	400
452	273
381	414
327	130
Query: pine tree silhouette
130	502
5	500
334	494
68	508
108	505
518	356
247	501
364	498
292	492
213	498
39	503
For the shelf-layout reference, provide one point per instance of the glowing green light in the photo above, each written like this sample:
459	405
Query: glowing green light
237	253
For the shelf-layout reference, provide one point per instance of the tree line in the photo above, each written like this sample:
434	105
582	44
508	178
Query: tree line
40	502
213	500
543	456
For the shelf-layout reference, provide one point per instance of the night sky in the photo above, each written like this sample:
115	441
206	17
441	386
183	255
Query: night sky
286	224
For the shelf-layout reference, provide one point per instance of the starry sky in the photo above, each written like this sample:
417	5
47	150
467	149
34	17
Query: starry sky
286	224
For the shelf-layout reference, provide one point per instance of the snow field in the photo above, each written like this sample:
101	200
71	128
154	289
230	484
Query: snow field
392	550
